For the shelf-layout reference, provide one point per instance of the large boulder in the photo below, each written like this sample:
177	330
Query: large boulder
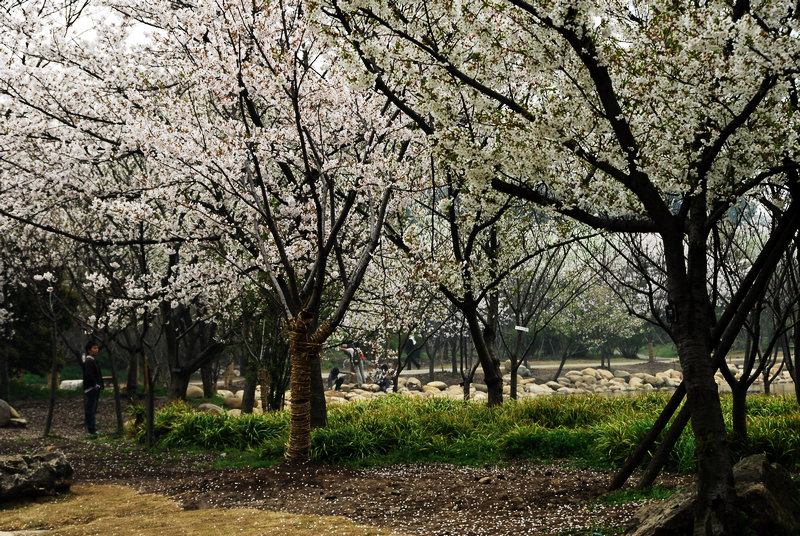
765	494
32	475
210	408
413	384
194	391
71	385
233	402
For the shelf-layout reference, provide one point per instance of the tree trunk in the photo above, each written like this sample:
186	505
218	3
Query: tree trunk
454	355
250	382
51	406
564	353
687	290
489	362
514	368
207	376
304	347
5	383
739	411
178	383
714	514
662	452
132	384
117	397
319	409
150	403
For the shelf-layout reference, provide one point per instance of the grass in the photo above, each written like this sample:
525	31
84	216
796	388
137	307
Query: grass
630	495
589	431
122	511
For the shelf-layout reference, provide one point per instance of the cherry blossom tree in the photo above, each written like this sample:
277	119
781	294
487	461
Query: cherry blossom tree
257	152
628	117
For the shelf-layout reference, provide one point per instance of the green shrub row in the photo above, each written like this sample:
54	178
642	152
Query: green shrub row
592	431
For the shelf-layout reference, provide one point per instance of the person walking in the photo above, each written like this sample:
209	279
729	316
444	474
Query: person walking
412	353
92	385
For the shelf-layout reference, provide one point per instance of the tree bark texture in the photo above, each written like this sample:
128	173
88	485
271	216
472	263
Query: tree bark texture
488	360
305	344
715	514
207	375
250	382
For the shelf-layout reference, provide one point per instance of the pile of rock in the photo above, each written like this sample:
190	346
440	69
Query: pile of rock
602	381
31	475
233	400
573	382
781	377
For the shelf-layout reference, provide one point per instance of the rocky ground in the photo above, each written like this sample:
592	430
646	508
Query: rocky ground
440	499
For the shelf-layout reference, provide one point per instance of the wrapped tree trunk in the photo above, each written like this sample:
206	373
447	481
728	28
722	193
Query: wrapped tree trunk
305	344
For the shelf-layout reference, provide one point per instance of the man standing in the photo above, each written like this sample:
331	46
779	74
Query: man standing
92	385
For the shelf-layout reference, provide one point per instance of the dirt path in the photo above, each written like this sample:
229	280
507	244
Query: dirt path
439	499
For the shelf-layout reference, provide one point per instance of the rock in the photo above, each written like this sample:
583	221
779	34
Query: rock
413	384
674	374
439	385
764	492
624	374
211	408
523	371
40	473
672	517
604	374
233	402
17	423
235	413
224	393
5	413
545	389
767	494
480	387
649	378
71	385
194	391
485	480
554	386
